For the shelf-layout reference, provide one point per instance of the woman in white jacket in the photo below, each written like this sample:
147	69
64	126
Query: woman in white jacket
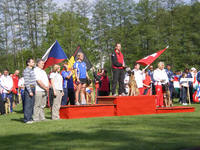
161	78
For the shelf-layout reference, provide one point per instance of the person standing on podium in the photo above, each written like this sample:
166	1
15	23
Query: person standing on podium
118	66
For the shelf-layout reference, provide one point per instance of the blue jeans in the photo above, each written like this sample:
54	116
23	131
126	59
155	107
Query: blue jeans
9	96
65	97
29	105
23	98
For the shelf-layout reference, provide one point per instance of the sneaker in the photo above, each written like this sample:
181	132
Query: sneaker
56	119
122	94
29	122
114	94
44	119
36	120
185	104
77	103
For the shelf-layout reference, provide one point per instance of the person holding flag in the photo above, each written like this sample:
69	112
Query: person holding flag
68	85
118	66
139	77
81	78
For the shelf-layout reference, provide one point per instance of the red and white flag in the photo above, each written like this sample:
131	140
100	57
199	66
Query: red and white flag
151	58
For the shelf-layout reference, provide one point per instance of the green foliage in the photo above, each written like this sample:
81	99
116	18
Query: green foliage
71	30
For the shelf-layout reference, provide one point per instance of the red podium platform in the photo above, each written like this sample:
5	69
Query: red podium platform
87	111
106	99
175	109
119	106
135	105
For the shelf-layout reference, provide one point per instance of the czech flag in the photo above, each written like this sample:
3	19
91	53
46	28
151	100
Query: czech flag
151	58
54	55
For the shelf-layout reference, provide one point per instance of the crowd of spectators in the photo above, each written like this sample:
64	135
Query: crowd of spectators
66	85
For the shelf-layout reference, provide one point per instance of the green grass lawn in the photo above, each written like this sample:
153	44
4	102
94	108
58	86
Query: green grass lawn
144	132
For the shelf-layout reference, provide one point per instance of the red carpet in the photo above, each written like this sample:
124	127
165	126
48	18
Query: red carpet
119	106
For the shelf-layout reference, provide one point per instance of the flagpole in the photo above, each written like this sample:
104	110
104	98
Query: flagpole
146	67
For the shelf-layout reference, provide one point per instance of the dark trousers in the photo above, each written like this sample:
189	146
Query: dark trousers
29	105
65	97
153	89
9	96
2	105
15	98
51	96
23	98
184	94
171	89
71	95
191	93
118	76
103	93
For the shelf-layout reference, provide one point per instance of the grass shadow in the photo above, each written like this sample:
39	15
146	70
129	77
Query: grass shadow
18	120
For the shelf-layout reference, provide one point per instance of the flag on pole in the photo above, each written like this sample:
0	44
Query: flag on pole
54	55
86	60
151	58
71	62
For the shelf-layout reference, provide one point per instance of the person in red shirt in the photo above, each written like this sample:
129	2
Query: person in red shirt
147	84
118	66
104	89
15	78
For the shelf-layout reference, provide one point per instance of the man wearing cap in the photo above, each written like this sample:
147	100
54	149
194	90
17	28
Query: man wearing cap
193	71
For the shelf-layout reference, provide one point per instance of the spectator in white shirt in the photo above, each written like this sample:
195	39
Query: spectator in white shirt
7	85
41	91
21	89
57	85
184	88
139	77
161	78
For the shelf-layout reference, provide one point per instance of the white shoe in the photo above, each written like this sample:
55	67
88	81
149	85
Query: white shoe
123	94
77	103
185	104
36	120
44	119
56	119
29	122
